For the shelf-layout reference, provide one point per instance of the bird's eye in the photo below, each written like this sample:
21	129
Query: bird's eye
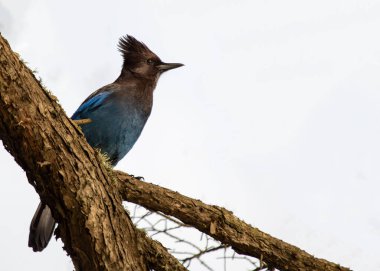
150	61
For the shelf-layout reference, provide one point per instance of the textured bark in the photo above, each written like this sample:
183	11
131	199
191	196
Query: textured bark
86	196
157	256
222	225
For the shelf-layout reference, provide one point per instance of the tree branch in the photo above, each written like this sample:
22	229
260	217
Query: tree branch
223	225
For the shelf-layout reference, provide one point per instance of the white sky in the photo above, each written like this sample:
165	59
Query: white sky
276	115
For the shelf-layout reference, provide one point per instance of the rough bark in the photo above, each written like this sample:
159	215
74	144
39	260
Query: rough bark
157	256
85	195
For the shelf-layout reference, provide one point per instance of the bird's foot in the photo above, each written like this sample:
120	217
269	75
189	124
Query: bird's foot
140	178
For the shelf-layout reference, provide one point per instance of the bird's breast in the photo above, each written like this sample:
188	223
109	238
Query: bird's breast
116	127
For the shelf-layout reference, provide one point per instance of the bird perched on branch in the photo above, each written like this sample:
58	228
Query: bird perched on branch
114	117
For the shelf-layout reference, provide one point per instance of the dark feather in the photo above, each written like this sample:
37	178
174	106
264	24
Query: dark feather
41	228
134	51
129	45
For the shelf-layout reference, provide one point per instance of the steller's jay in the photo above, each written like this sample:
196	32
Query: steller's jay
117	113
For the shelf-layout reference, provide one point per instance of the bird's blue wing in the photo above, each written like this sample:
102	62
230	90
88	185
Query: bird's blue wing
91	104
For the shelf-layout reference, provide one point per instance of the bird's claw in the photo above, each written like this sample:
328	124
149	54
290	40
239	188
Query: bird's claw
140	178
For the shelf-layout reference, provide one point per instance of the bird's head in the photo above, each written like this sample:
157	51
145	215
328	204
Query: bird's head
141	61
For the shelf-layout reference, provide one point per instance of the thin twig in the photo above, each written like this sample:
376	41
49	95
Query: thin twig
82	121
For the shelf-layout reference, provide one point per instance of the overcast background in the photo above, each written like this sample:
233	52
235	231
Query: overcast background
276	115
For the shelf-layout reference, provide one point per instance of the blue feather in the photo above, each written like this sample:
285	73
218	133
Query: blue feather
90	105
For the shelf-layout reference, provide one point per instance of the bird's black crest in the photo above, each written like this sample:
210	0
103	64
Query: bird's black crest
129	45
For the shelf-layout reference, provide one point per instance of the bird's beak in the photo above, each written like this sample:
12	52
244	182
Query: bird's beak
163	67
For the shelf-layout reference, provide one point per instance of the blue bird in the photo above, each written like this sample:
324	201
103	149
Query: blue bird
117	113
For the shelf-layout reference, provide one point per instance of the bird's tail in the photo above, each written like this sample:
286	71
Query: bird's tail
41	228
